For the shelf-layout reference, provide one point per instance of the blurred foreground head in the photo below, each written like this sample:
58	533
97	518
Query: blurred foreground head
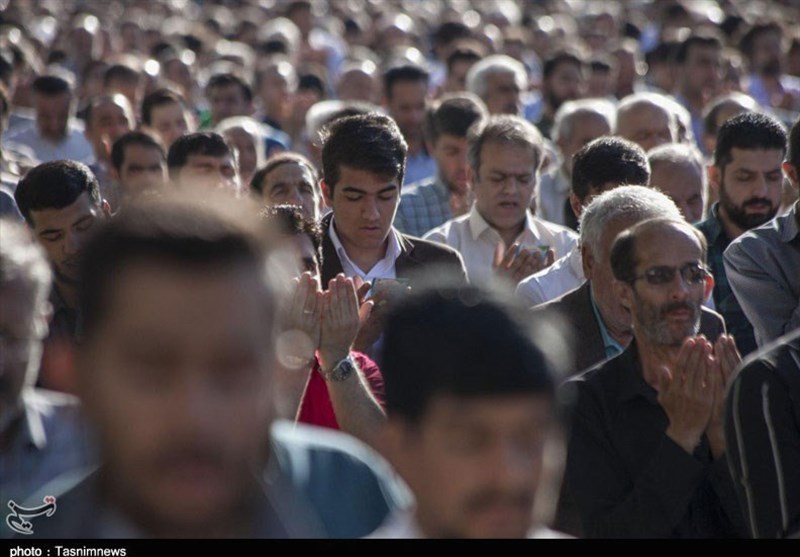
176	368
471	409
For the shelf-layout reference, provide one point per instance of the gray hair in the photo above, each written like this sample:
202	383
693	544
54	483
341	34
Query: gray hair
22	258
636	202
477	77
507	129
567	113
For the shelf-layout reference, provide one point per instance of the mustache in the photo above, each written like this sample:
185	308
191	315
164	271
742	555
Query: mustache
484	499
757	201
204	454
666	308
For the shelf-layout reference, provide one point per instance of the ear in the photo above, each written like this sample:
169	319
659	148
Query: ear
624	292
392	443
709	286
576	205
106	208
114	174
714	176
327	193
471	176
791	173
588	261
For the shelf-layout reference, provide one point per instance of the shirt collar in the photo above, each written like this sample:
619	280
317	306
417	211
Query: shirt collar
478	225
611	346
792	228
631	380
393	249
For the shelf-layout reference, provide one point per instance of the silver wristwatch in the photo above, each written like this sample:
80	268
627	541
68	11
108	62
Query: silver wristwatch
341	371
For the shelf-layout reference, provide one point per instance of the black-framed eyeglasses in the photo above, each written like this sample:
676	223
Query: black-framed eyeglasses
691	273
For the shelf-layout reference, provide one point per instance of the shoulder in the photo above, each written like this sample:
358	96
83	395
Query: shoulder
416	189
429	248
753	242
779	362
449	229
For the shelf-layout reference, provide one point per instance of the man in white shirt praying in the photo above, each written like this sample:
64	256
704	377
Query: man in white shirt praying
499	236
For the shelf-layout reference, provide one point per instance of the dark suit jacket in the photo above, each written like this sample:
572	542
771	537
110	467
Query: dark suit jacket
415	257
574	310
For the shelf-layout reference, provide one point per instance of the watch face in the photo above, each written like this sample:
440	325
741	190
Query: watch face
342	371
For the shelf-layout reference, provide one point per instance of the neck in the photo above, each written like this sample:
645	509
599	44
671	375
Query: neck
68	293
731	230
365	258
509	236
694	98
654	357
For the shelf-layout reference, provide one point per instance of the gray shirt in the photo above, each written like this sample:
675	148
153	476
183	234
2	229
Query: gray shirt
763	268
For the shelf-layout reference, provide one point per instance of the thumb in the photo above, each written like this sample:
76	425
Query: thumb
550	258
498	255
664	379
365	311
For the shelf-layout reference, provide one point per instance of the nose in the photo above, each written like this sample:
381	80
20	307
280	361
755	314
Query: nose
72	243
512	466
760	186
369	209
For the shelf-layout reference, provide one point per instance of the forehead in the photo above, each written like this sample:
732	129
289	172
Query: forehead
756	159
645	115
364	179
196	159
166	110
288	172
110	106
59	101
226	89
588	124
135	153
699	51
667	244
521	410
64	217
500	155
676	174
501	79
240	136
409	89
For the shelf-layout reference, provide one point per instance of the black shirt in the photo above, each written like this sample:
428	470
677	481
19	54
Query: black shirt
627	478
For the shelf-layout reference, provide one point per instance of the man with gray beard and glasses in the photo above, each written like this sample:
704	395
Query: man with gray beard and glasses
646	456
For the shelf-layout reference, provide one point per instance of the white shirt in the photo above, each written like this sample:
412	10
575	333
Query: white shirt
403	525
562	276
551	195
383	269
74	146
477	241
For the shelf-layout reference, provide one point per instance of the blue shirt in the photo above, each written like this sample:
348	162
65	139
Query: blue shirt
613	348
423	206
419	167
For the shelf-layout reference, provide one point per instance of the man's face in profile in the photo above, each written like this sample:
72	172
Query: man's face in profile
177	379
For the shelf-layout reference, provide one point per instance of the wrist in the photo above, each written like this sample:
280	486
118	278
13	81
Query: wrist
328	359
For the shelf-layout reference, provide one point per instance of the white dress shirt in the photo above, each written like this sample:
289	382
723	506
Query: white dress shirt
551	195
383	269
548	284
477	241
74	146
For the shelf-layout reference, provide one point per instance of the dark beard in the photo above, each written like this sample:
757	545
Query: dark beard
740	217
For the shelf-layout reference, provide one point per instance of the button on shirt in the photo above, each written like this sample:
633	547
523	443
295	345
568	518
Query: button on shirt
383	269
763	267
477	241
564	275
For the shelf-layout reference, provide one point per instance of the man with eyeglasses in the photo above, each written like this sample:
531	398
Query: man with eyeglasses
646	456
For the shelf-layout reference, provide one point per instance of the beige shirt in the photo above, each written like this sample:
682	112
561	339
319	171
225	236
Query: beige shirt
477	241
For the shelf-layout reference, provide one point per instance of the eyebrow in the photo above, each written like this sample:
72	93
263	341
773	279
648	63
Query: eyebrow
352	189
290	183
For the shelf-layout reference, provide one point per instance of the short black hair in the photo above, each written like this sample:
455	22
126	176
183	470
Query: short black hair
608	159
195	235
51	85
290	220
55	185
794	145
257	181
226	79
198	143
121	72
159	97
702	40
133	138
457	341
370	142
749	130
405	72
560	57
453	115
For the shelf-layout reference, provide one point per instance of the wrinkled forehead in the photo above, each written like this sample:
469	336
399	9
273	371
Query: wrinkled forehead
669	244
